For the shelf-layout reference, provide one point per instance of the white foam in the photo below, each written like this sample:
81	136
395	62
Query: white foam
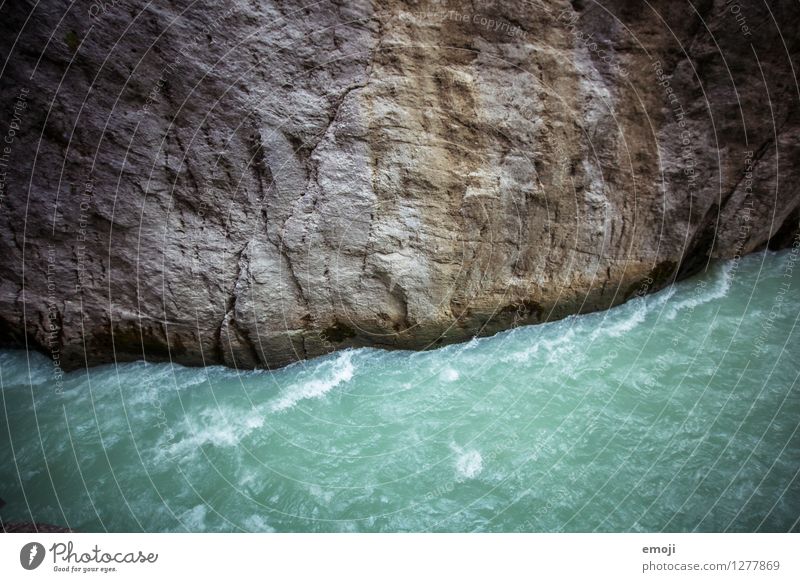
449	375
336	372
469	464
471	344
257	523
219	427
194	519
561	344
323	495
551	348
522	356
15	372
223	434
622	325
254	420
717	290
621	322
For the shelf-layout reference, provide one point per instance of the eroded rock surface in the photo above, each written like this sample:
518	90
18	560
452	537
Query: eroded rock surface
253	183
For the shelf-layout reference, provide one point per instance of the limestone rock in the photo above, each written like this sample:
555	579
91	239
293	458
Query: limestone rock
253	183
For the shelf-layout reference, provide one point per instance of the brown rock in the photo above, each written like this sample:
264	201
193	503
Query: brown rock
253	184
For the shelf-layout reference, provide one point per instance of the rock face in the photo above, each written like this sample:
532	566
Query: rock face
253	183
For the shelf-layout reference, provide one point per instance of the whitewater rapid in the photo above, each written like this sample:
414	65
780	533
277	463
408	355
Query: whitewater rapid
658	414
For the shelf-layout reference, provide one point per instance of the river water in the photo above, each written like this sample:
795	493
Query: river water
678	411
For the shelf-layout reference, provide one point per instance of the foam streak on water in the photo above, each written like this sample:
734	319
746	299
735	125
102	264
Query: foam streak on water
676	411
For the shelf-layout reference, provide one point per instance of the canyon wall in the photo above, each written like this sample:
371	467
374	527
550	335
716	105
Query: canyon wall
253	183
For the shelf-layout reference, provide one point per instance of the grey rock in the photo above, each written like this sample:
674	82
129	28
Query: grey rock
254	183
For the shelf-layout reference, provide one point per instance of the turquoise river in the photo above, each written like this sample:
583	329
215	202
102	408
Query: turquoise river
678	411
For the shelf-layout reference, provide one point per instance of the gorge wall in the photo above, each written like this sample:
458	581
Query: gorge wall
251	183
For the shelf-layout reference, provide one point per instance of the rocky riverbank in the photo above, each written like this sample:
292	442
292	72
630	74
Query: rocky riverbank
252	185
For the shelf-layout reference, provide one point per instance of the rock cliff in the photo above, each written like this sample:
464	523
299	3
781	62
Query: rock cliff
257	182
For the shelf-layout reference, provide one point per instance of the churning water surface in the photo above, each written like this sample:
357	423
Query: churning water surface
678	411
